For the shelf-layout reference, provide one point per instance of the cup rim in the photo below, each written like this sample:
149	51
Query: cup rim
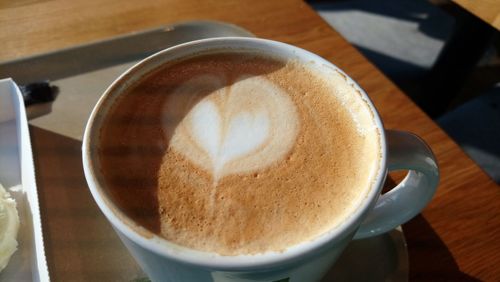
163	247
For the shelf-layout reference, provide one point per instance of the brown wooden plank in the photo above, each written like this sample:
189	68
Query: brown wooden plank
487	10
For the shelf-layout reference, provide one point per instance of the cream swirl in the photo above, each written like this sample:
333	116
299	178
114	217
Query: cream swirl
9	225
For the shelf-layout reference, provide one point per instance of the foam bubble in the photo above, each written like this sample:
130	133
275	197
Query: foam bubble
351	99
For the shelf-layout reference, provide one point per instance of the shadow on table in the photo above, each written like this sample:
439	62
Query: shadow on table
402	38
430	20
429	257
80	243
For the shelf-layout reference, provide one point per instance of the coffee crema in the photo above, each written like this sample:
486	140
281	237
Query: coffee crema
238	153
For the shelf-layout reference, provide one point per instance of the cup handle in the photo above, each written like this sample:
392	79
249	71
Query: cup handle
406	151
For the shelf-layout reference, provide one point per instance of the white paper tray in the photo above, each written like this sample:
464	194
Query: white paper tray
16	168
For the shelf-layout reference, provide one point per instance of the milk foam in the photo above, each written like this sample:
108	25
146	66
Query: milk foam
243	127
351	99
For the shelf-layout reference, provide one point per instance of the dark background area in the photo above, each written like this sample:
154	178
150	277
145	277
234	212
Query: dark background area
446	59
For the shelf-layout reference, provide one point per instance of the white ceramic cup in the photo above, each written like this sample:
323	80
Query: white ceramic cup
307	261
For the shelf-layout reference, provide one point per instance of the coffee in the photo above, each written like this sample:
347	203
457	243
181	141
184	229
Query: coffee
235	152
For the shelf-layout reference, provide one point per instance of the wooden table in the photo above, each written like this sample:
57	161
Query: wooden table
457	237
487	10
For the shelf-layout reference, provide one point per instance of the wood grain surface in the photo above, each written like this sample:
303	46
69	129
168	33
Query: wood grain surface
456	238
487	10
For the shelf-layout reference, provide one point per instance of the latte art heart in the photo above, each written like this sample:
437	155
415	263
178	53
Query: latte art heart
243	133
238	128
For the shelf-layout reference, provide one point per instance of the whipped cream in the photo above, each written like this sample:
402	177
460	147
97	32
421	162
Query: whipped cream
9	225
